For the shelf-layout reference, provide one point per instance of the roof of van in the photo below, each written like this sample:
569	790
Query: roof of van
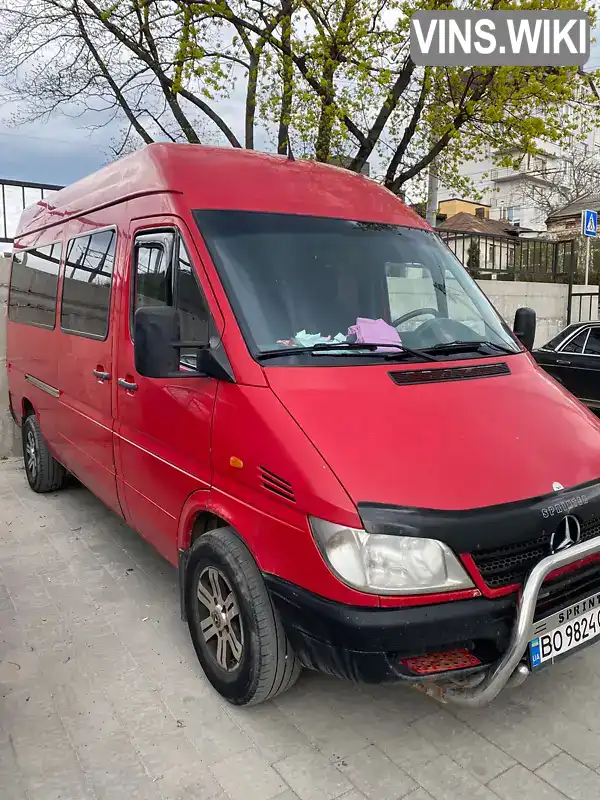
225	178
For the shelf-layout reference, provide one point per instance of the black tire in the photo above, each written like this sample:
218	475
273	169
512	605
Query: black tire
44	473
267	665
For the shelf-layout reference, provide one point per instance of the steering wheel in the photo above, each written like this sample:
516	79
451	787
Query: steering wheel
416	312
442	330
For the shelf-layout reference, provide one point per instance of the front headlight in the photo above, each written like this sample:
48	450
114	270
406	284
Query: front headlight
389	564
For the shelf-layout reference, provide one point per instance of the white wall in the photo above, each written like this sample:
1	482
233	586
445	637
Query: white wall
549	300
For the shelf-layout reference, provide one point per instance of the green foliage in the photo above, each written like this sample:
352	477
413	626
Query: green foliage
349	57
473	258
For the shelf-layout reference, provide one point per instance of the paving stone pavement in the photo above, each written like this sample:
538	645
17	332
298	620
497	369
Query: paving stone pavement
101	695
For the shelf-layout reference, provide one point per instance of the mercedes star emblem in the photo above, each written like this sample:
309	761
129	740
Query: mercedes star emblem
566	535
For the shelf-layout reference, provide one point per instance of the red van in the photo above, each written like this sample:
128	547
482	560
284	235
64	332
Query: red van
280	377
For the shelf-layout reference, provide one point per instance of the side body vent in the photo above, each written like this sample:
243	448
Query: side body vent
273	483
441	374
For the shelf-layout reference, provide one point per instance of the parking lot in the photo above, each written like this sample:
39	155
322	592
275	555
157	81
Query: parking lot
101	695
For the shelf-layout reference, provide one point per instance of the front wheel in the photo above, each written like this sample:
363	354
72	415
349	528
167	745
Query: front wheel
44	473
236	631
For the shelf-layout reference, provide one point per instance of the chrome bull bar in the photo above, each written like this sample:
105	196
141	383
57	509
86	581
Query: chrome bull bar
509	669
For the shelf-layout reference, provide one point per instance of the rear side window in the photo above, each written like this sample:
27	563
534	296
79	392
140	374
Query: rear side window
33	285
87	283
592	346
576	344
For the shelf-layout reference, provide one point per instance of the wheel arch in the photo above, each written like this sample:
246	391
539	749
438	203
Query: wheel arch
195	520
27	408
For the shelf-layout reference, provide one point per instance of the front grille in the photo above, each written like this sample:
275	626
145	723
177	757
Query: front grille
504	566
568	588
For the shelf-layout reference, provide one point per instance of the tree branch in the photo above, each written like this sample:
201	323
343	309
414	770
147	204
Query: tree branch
299	61
459	120
389	105
135	123
409	132
164	80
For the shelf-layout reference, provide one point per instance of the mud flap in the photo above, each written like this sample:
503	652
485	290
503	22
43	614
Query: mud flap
182	569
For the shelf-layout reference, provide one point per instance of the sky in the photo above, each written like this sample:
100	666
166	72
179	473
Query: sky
60	151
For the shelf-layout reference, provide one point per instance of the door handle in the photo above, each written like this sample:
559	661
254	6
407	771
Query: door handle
563	363
101	375
131	387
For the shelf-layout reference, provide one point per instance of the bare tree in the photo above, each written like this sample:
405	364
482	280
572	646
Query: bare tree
134	63
558	182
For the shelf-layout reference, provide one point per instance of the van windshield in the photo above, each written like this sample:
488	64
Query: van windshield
303	282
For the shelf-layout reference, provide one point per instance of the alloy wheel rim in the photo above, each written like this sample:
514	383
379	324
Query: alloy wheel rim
220	619
31	455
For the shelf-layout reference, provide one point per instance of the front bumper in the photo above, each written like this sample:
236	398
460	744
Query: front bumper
368	644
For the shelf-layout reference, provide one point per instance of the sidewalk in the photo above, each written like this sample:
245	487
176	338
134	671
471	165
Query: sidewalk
101	695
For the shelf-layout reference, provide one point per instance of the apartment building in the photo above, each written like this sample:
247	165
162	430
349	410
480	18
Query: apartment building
514	195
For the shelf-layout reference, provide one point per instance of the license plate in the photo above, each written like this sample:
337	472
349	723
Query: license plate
566	630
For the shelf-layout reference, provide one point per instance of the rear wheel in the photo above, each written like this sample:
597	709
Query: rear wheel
236	631
44	473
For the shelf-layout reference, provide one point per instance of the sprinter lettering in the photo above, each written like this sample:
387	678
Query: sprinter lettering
565	506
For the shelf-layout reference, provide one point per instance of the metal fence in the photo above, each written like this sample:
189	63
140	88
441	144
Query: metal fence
14	197
533	259
512	258
582	306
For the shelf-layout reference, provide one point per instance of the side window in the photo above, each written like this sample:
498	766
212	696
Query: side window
87	284
163	275
194	313
153	270
34	285
592	346
576	344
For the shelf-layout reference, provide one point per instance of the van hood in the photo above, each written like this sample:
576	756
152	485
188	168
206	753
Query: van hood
448	444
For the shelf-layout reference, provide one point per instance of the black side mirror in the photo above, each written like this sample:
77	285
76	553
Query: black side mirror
524	327
157	348
155	336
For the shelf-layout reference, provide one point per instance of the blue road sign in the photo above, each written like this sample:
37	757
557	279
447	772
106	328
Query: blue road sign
589	223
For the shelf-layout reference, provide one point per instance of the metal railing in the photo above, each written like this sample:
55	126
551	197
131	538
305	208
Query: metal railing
15	196
583	306
511	257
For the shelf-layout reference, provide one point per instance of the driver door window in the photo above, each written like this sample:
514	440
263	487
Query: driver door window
164	276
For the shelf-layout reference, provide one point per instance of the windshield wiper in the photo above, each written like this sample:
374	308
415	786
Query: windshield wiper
324	348
468	347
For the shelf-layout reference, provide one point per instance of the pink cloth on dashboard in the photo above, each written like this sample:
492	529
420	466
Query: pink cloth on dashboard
374	331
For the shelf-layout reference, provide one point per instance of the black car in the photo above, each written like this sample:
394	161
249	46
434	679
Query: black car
573	358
